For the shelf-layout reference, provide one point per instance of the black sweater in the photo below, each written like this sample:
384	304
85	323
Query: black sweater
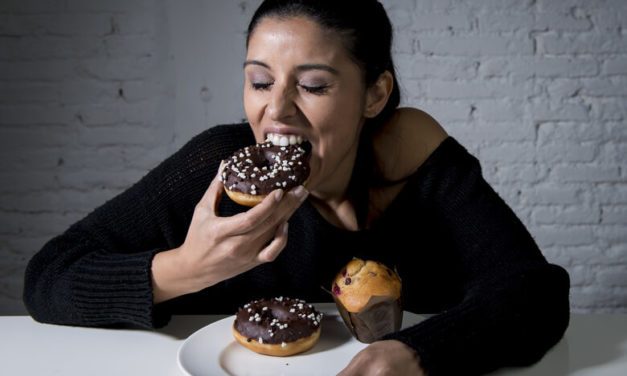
460	250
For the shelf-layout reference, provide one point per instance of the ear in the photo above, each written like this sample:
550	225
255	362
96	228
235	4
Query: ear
377	95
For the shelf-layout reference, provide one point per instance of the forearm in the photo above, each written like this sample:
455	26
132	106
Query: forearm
503	321
173	276
100	288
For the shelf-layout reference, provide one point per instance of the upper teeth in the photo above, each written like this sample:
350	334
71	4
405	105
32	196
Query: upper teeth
284	139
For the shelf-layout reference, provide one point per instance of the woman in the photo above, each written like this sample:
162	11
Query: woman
385	184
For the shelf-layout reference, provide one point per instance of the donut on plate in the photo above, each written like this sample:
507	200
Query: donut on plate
251	173
279	326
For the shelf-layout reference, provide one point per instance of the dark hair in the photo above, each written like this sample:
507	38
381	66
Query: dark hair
364	27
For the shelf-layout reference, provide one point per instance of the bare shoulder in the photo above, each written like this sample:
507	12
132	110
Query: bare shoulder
405	142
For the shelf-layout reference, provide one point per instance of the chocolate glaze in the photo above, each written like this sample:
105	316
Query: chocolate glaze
262	168
277	320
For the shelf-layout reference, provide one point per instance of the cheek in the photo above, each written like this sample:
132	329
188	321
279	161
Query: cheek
252	109
341	120
250	104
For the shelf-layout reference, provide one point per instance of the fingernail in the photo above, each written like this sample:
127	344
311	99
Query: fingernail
300	192
278	195
221	170
285	228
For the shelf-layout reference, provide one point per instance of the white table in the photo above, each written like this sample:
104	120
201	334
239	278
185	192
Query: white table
593	345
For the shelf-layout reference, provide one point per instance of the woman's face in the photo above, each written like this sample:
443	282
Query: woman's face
300	80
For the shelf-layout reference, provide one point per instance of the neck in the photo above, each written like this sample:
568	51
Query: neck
340	214
333	200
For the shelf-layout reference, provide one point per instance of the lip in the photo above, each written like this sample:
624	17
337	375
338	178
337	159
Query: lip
284	131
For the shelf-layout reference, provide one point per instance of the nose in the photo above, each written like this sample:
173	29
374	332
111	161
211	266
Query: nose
281	104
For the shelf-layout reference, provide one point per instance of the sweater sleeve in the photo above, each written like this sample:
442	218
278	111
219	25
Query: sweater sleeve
515	304
98	273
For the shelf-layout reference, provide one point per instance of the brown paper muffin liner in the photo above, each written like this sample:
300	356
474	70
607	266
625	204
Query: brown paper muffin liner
382	315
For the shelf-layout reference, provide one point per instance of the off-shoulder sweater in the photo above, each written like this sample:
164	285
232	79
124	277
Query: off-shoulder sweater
461	252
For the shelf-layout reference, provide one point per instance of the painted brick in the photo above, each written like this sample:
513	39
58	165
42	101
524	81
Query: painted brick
28	71
615	66
50	47
31	6
615	215
446	110
545	111
559	235
450	22
545	195
569	215
122	6
610	109
531	173
509	152
561	22
567	152
551	132
117	69
498	22
475	46
498	110
613	276
473	89
134	23
129	45
29	114
57	25
608	87
445	68
584	43
612	235
513	130
586	173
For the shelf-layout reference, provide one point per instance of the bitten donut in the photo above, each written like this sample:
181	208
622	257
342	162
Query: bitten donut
279	326
251	173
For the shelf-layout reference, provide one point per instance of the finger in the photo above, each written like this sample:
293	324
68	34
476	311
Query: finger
292	201
244	223
212	195
273	210
355	365
272	250
221	169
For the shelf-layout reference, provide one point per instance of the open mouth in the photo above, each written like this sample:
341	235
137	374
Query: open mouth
289	139
284	139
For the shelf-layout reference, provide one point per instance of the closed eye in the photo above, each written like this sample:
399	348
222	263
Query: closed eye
317	90
261	85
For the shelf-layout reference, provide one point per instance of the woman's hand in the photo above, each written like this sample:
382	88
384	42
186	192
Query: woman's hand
217	248
384	358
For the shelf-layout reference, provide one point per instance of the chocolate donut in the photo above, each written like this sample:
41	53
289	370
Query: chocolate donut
253	172
279	326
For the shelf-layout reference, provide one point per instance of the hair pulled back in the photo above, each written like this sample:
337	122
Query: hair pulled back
365	30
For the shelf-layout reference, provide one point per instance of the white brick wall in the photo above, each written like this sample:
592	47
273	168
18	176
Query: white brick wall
84	112
95	93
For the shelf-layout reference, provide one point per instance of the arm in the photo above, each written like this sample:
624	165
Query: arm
515	305
99	271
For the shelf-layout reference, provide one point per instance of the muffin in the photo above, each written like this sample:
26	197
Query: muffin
368	296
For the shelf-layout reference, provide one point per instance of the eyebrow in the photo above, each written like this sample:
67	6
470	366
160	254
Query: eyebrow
300	68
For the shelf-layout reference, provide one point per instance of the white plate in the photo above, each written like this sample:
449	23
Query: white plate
213	351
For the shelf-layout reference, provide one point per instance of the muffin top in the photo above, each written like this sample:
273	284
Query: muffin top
361	280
